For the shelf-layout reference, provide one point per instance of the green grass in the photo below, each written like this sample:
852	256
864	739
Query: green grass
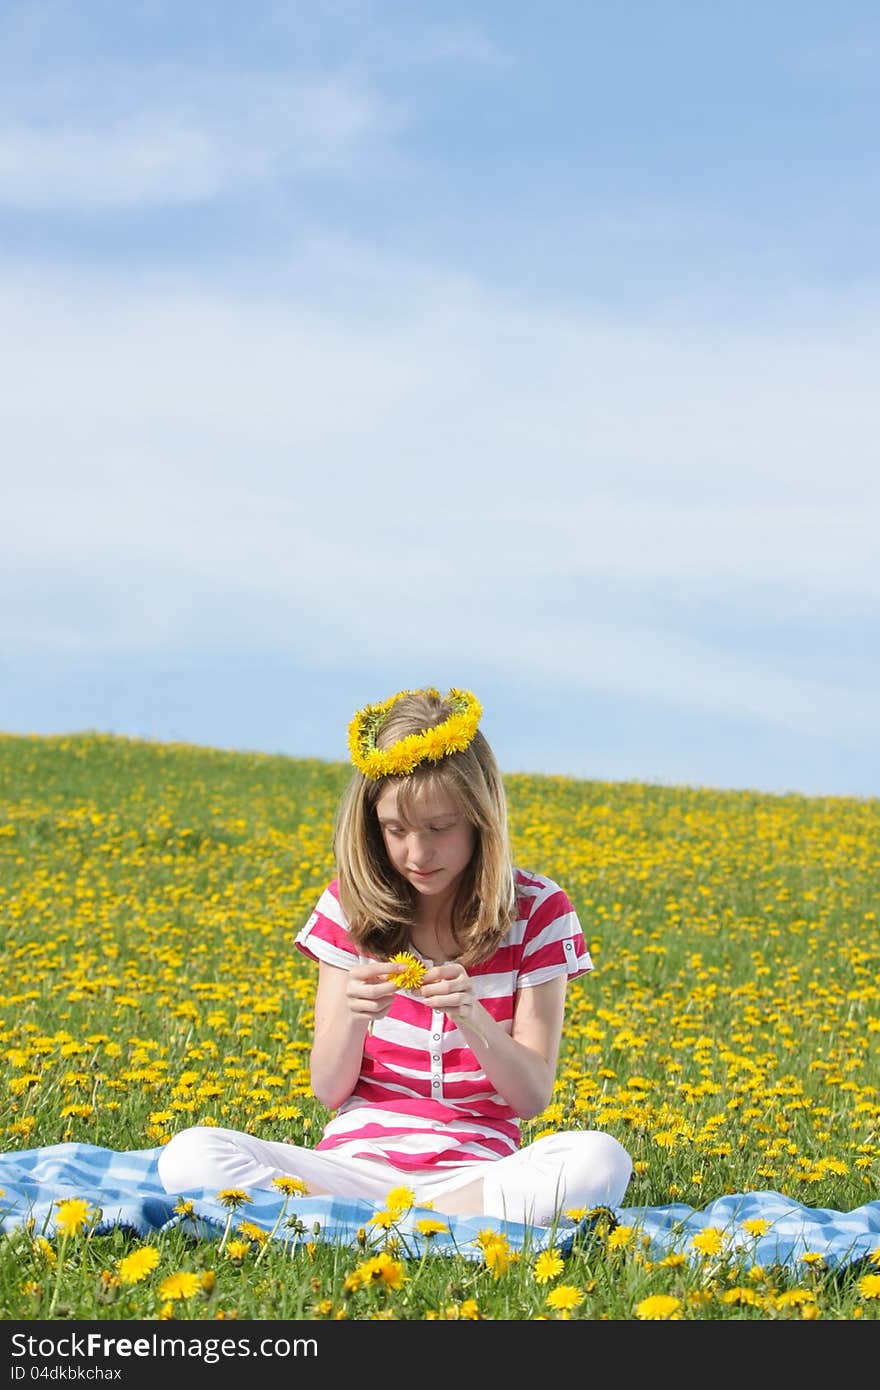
729	1036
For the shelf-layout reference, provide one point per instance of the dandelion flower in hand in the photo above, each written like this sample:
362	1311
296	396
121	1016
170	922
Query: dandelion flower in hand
408	971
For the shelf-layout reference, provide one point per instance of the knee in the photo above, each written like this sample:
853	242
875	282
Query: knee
608	1156
601	1163
184	1159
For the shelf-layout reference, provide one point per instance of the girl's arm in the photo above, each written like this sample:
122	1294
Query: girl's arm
347	1001
521	1064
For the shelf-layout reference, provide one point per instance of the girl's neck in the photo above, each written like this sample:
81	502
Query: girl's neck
432	935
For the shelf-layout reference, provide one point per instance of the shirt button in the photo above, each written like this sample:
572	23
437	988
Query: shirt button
436	1057
436	1037
436	1081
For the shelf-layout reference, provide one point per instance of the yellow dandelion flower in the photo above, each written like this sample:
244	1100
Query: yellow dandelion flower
181	1285
136	1266
249	1230
869	1286
381	1269
564	1297
430	1226
548	1264
74	1215
237	1249
383	1219
497	1258
400	1199
658	1307
757	1226
741	1294
709	1241
409	971
620	1237
874	1256
290	1186
795	1298
487	1237
675	1260
233	1197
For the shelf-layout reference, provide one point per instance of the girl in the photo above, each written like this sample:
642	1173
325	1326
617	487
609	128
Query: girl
442	971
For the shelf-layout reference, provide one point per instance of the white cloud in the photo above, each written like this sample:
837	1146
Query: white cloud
130	139
187	465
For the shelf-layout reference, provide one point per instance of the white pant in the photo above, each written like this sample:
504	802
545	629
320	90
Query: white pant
573	1168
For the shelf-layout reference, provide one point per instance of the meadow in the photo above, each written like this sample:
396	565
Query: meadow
729	1035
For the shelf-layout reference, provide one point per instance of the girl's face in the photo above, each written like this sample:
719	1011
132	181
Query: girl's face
433	853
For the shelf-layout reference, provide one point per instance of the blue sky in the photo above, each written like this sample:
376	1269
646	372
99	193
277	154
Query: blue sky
532	349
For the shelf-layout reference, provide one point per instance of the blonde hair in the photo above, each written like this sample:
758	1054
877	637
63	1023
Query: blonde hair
378	903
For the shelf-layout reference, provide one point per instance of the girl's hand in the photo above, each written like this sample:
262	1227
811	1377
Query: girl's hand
370	990
450	988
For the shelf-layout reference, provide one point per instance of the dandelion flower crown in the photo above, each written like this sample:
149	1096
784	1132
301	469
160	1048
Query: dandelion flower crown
428	745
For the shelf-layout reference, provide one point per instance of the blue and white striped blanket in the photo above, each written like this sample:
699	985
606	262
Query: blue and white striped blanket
124	1186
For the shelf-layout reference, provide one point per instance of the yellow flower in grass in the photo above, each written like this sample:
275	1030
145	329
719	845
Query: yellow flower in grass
496	1251
233	1197
136	1266
548	1264
75	1214
249	1230
181	1285
383	1219
497	1258
400	1199
236	1250
564	1297
381	1269
408	971
794	1298
658	1307
869	1286
741	1294
430	1226
874	1256
709	1241
757	1226
620	1237
290	1186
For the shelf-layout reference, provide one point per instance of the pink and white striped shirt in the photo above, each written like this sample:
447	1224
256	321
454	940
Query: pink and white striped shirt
422	1099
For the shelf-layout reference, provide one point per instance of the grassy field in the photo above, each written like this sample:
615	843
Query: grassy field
729	1036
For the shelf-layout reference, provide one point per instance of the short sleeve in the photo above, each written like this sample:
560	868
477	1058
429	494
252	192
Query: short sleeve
553	943
325	935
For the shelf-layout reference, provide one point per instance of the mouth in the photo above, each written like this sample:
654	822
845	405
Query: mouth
429	873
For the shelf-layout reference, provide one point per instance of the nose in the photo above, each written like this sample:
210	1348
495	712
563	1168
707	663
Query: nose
418	850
